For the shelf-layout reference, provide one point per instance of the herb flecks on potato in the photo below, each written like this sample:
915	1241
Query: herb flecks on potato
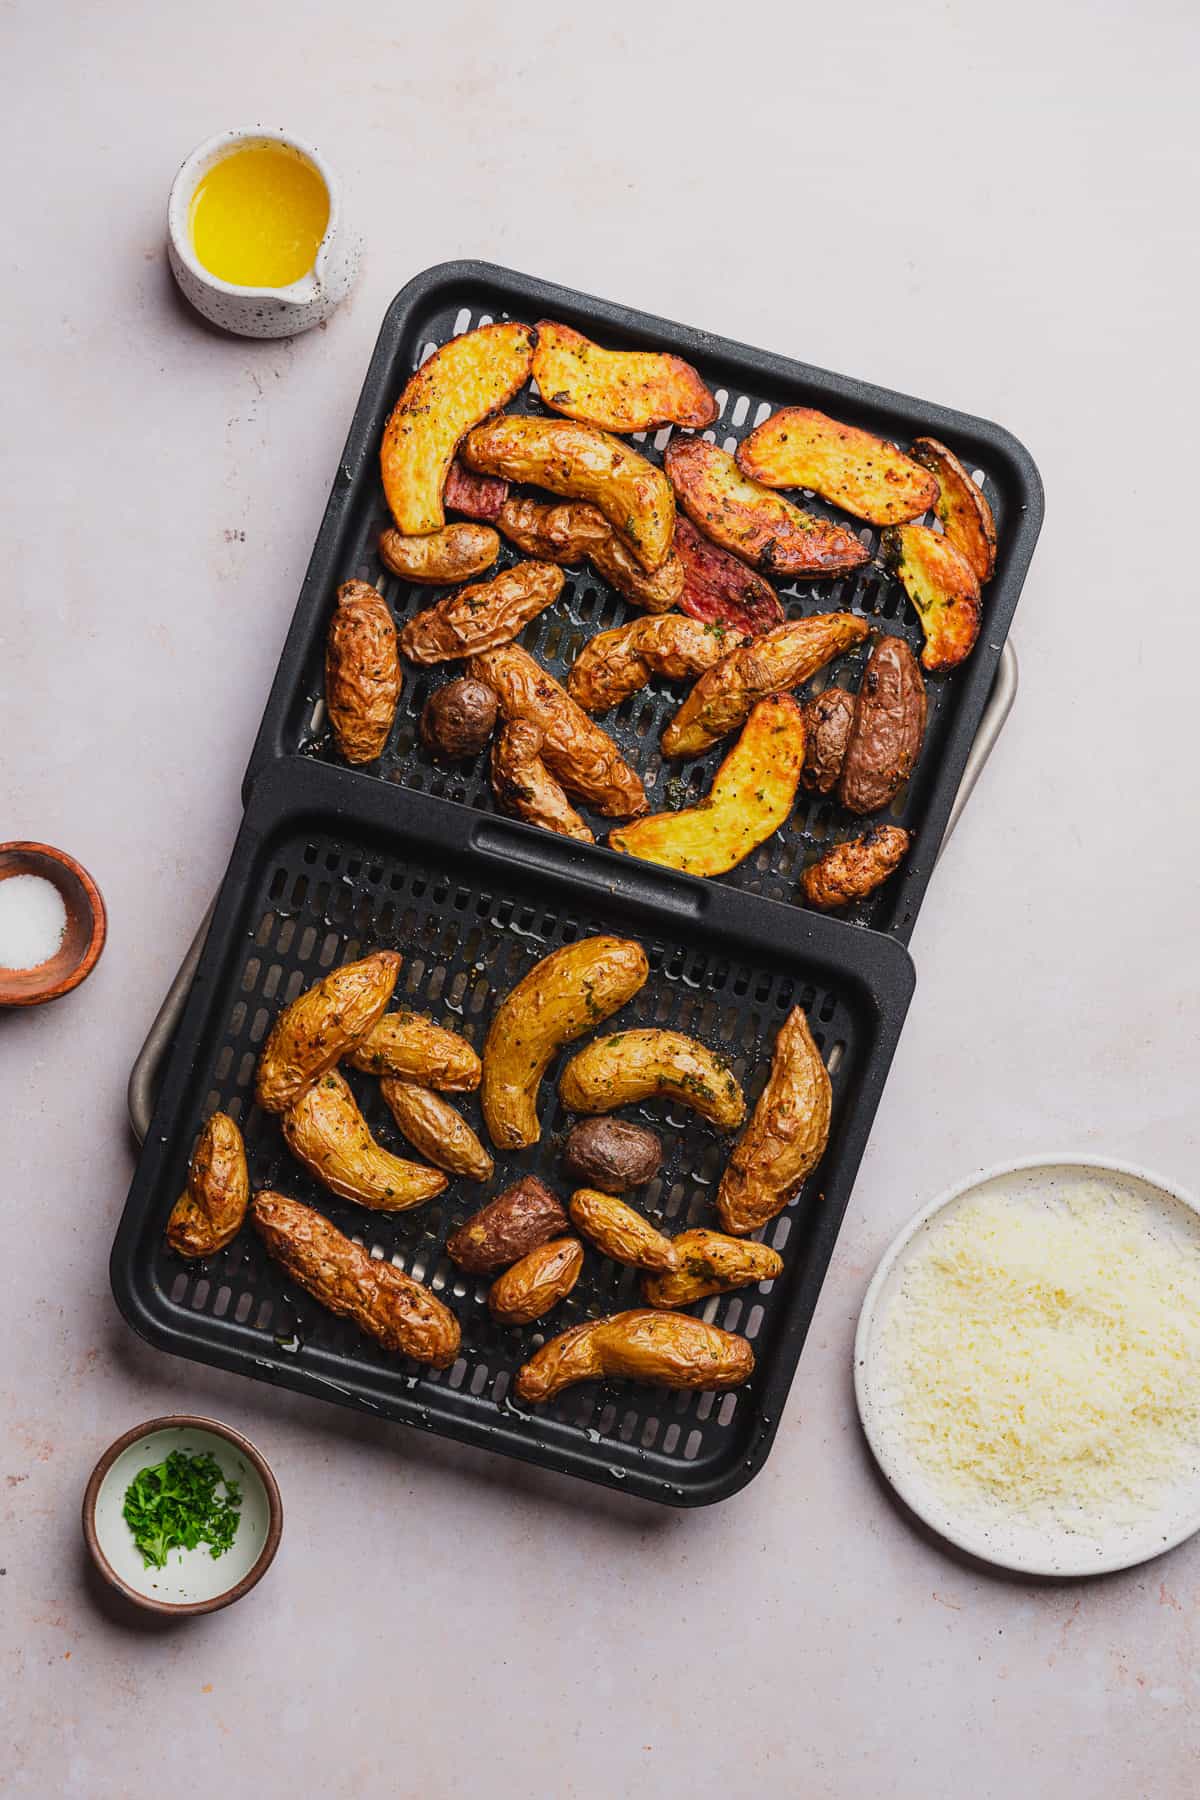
961	506
483	616
325	1131
709	1262
618	390
209	1213
666	1349
453	554
362	672
643	1064
867	477
770	533
943	589
855	868
786	1136
323	1024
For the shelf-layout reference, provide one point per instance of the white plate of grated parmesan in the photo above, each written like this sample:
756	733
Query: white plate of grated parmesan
1027	1366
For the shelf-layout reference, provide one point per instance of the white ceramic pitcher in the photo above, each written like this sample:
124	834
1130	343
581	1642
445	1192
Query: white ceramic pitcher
261	311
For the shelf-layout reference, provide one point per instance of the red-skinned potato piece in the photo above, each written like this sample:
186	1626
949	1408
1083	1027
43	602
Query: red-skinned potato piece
718	589
477	497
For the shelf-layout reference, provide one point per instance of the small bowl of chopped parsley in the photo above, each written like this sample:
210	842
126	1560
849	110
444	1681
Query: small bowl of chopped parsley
182	1515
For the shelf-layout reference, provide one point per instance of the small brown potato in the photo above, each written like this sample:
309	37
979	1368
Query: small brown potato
507	1228
799	447
637	1065
612	1154
388	1305
411	1047
766	531
461	383
321	1026
433	1128
786	1136
827	719
524	786
708	1262
581	463
536	1284
674	1350
362	672
578	753
962	507
620	1232
458	719
563	995
481	617
573	532
942	587
719	589
854	869
752	795
325	1131
476	496
209	1212
722	699
454	553
618	390
616	663
887	729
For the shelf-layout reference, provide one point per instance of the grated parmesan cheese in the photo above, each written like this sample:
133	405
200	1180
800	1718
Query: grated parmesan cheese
1041	1354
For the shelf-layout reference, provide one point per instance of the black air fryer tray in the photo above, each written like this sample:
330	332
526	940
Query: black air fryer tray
748	384
326	866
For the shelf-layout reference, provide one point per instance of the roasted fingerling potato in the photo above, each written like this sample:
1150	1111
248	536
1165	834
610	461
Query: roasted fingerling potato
961	506
578	753
867	477
573	531
565	994
388	1305
942	587
666	1349
719	589
507	1228
642	1064
536	1284
457	720
453	554
786	1136
322	1025
709	1262
827	720
435	1130
362	672
765	530
724	696
612	1154
325	1131
410	1046
619	1232
854	869
618	390
209	1212
524	786
459	385
886	730
616	663
581	463
482	616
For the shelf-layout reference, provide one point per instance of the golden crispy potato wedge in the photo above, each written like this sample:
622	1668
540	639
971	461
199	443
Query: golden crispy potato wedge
786	1136
961	506
579	755
483	616
719	589
574	531
325	1131
581	463
433	1128
616	663
635	1065
321	1026
453	554
524	786
854	869
618	390
388	1305
761	527
620	1232
460	384
411	1047
708	1262
362	672
752	795
209	1213
536	1284
722	699
674	1350
801	448
564	995
942	587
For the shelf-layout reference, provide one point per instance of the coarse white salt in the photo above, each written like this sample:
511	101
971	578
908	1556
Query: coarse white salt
33	920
